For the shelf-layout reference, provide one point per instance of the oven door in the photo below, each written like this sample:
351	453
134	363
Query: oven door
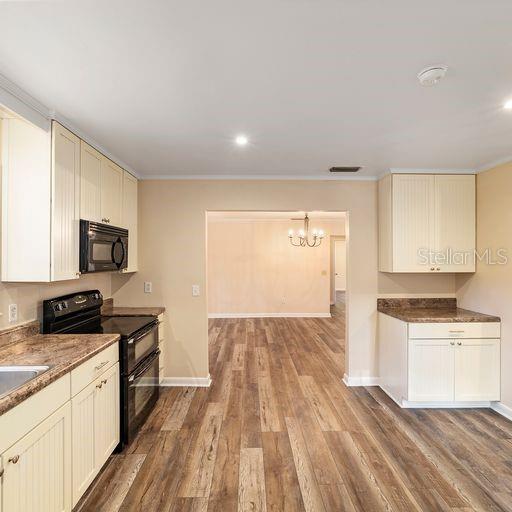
139	346
140	391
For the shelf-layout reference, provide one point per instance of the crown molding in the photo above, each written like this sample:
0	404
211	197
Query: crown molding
403	170
95	144
24	105
259	177
27	107
494	163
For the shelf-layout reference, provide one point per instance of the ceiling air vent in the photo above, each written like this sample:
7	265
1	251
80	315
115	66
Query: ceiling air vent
344	169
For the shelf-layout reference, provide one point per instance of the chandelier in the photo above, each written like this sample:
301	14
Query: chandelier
302	238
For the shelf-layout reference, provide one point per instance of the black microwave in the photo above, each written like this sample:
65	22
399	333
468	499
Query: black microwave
102	247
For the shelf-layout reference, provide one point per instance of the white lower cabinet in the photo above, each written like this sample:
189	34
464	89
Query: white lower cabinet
67	432
426	364
95	428
477	365
95	412
431	370
37	469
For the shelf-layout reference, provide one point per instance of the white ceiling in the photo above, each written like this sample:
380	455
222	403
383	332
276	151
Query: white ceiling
166	85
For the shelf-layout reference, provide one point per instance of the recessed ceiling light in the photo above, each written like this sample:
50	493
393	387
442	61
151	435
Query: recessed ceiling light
508	105
241	140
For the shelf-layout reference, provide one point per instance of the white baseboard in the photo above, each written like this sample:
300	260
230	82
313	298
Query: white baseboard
269	315
502	409
360	381
193	382
444	405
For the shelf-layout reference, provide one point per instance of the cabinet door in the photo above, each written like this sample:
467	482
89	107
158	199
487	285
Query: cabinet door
90	183
111	192
455	222
431	370
477	369
413	225
37	476
106	414
83	421
130	185
65	204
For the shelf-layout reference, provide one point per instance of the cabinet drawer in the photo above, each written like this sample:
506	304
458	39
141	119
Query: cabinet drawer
87	372
454	330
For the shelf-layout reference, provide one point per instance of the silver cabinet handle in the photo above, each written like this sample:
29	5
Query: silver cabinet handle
432	269
438	269
104	381
452	343
14	459
459	343
101	365
99	386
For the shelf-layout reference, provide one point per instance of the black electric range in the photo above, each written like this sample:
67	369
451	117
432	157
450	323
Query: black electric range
138	350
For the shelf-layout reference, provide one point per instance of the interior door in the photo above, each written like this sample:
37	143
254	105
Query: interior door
111	192
65	204
413	221
477	369
340	265
455	222
431	370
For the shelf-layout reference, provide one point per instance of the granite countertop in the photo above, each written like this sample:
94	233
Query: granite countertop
132	311
62	352
430	310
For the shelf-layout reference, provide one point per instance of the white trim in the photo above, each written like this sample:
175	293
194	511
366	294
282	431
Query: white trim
360	381
269	177
494	163
502	409
26	106
416	295
196	382
96	145
444	405
269	315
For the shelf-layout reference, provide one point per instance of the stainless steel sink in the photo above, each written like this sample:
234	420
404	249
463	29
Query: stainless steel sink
12	377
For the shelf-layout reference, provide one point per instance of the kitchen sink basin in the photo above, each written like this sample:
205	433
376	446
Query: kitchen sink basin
12	377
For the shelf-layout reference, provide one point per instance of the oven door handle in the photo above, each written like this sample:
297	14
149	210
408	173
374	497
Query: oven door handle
145	332
143	370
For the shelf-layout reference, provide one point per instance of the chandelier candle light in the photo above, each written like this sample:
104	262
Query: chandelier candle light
302	238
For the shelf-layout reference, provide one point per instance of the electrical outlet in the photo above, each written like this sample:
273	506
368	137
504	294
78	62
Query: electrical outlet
195	290
148	287
13	313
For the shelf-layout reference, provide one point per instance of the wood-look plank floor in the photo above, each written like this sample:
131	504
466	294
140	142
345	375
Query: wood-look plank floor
279	431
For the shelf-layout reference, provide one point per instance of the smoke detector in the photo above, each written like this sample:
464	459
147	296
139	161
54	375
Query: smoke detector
432	75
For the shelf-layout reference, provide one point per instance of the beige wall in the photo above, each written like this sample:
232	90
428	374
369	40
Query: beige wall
172	251
253	269
29	296
489	290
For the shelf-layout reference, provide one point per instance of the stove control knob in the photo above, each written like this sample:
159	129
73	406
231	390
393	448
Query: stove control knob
58	307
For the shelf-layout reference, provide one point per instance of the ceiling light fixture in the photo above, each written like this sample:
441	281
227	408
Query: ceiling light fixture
241	140
303	236
508	105
432	75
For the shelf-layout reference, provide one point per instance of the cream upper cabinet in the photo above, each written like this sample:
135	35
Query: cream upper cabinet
65	203
37	469
111	192
90	183
426	223
129	221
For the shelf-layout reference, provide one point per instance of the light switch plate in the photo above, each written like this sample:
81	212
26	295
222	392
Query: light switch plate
195	290
148	286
